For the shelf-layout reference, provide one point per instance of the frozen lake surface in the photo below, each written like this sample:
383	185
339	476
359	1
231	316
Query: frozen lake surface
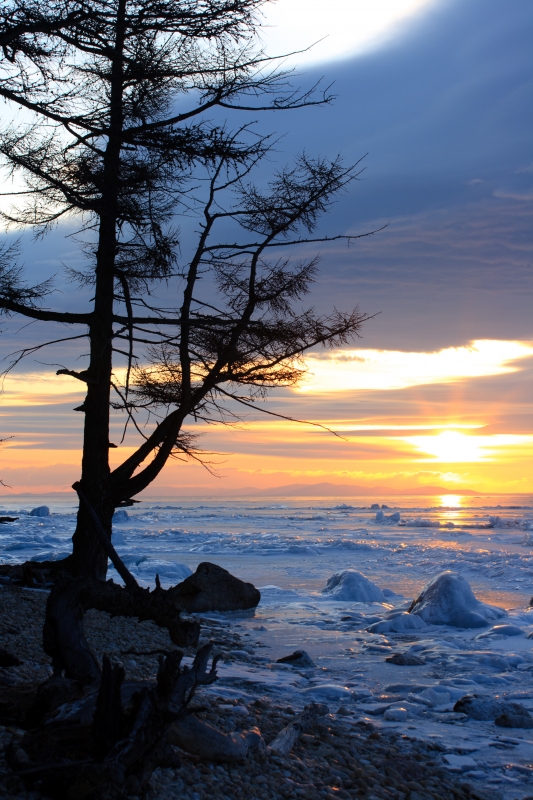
290	549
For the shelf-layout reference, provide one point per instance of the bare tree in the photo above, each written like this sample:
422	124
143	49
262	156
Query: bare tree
117	95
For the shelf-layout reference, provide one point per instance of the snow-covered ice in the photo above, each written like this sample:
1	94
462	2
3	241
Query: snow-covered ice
469	566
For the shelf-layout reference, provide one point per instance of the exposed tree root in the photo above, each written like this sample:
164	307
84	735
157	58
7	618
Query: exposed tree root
63	637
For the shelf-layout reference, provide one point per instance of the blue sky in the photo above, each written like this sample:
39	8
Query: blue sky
444	112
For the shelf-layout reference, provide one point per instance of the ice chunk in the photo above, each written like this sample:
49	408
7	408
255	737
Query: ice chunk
448	599
118	538
460	763
330	691
120	516
435	696
351	585
387	519
397	714
502	630
398	624
301	549
40	511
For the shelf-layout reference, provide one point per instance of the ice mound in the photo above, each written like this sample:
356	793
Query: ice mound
448	599
398	624
351	585
120	516
40	511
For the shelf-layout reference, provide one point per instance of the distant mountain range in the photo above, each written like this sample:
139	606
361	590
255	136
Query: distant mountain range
347	489
309	490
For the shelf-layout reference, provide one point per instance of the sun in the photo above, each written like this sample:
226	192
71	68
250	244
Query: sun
450	446
451	500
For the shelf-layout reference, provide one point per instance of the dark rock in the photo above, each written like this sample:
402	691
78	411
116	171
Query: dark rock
405	660
487	708
8	660
299	659
514	721
212	588
8	519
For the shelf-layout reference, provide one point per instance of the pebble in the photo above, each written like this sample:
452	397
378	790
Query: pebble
336	759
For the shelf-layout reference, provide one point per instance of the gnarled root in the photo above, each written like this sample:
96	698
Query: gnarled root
63	637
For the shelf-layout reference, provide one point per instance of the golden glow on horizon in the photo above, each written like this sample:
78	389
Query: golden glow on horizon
385	370
452	439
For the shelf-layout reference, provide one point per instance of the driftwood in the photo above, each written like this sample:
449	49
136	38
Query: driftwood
103	742
287	738
109	739
205	741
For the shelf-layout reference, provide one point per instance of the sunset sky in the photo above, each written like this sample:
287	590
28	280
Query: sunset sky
438	392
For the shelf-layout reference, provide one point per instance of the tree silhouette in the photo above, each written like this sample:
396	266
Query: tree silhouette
116	96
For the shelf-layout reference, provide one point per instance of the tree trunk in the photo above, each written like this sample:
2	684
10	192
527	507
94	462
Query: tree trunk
89	556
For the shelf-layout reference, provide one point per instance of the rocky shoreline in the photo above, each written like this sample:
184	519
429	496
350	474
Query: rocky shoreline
337	758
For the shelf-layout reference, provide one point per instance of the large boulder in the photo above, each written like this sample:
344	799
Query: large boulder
212	588
448	599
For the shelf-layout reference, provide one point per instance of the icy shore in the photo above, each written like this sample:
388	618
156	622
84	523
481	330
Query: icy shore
290	550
